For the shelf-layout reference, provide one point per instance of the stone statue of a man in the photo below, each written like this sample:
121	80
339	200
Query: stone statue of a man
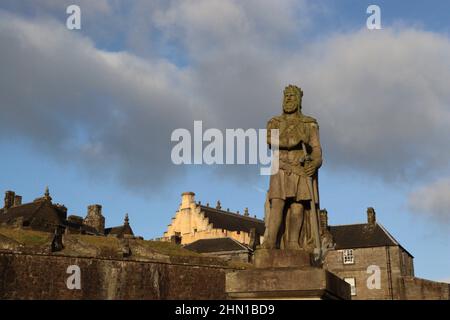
293	193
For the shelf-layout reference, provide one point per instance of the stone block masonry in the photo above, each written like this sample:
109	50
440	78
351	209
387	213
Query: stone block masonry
33	276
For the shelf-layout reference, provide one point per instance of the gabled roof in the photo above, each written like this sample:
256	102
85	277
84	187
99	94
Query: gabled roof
31	210
232	221
361	236
26	211
119	230
216	245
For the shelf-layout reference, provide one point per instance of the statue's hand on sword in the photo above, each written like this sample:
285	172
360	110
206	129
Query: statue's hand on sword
308	164
310	169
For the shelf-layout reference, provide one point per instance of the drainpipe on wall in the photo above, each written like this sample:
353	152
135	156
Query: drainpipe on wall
389	273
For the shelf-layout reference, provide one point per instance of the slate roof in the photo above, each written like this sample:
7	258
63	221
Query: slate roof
119	230
361	236
31	210
216	245
232	221
26	211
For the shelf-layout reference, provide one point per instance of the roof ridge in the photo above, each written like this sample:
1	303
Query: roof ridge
388	234
238	242
234	214
206	239
350	224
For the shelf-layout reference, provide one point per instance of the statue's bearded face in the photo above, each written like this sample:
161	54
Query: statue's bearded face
291	101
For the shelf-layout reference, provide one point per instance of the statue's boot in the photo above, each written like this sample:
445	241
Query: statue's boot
267	244
293	245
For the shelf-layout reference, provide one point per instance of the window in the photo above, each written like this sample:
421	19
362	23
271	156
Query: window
352	283
347	256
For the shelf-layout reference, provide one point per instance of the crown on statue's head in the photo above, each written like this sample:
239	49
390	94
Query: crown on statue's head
293	88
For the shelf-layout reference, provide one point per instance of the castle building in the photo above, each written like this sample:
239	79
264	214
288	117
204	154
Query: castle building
43	215
365	255
194	221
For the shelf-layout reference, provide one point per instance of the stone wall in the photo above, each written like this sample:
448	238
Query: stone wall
32	276
420	289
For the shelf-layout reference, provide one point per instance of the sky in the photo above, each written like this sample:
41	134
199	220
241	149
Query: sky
90	112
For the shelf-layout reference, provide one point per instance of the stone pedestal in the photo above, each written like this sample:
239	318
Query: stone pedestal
269	258
285	274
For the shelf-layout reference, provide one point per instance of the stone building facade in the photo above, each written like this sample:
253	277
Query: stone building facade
365	251
194	221
365	255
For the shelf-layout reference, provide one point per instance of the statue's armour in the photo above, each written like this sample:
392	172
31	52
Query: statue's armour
291	180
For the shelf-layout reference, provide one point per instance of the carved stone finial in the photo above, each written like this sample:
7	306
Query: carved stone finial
246	212
218	205
47	194
126	220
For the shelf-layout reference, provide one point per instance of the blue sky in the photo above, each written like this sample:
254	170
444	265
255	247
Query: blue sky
89	112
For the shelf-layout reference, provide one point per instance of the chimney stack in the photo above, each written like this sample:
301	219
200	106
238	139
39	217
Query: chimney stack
323	220
95	218
187	198
9	199
371	216
17	200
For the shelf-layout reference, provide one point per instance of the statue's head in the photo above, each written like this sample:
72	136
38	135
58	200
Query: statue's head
292	100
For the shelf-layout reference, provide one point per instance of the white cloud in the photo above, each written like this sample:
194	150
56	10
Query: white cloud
80	103
432	200
382	100
381	97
